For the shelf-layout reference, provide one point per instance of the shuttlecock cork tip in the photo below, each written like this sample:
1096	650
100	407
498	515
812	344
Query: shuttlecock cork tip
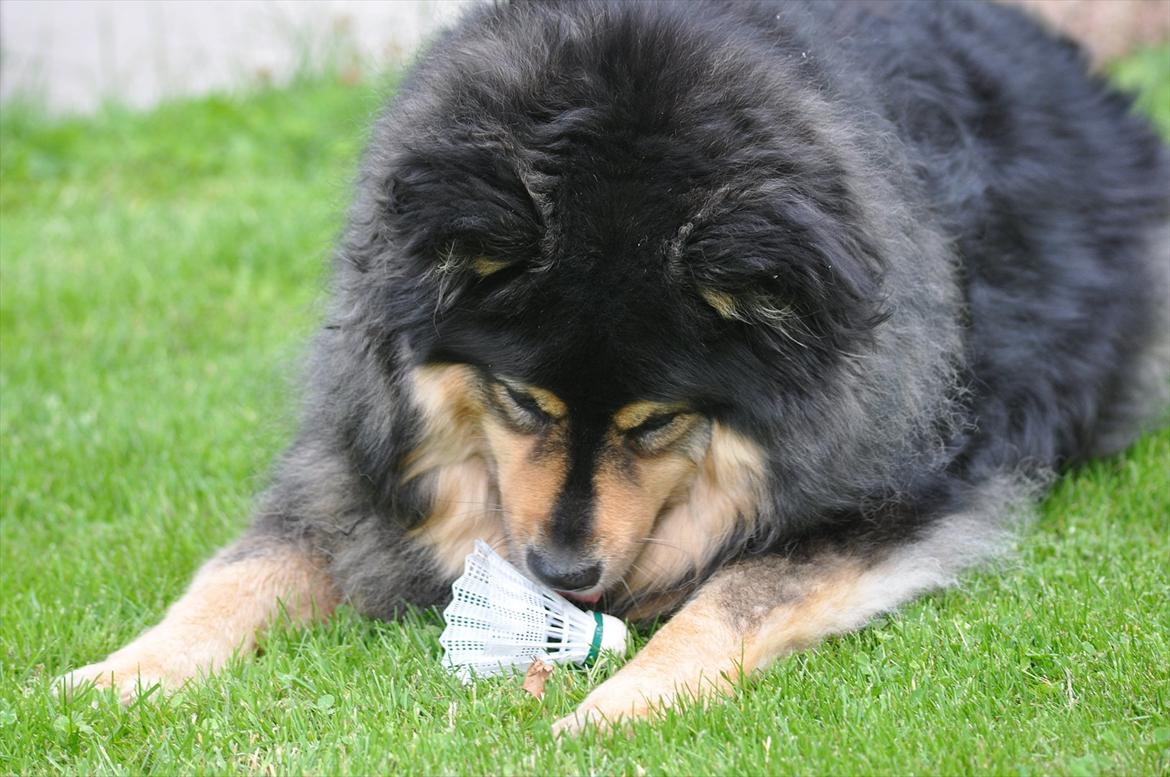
614	635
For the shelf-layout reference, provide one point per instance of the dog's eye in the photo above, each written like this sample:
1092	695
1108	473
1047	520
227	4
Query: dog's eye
521	408
654	423
657	432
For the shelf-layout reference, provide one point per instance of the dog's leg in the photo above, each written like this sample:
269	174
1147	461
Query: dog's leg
232	599
757	610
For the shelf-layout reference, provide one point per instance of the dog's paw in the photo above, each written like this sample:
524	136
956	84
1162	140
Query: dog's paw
619	700
129	674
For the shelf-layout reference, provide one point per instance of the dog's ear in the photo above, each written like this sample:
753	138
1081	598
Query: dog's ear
786	266
461	219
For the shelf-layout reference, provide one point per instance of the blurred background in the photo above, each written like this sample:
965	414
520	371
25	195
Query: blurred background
73	55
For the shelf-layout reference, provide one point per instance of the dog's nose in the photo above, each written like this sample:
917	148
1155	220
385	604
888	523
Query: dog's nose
562	573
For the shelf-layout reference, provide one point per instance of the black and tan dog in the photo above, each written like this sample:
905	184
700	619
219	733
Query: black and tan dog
763	315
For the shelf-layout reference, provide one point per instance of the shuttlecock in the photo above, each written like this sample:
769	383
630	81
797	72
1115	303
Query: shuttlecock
500	620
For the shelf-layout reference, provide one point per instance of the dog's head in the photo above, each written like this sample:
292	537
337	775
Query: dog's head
609	269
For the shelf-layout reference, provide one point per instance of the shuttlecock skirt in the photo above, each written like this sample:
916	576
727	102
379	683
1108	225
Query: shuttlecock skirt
499	620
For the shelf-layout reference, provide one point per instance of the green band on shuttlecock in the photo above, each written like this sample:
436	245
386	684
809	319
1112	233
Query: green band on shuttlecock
595	646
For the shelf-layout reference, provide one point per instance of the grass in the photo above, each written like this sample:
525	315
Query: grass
158	275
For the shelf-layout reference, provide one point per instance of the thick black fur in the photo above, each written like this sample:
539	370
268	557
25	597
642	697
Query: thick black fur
938	229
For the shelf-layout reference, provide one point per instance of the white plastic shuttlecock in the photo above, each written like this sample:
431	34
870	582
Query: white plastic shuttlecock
500	620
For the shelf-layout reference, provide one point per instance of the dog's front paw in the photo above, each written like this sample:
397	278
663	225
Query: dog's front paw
626	696
130	673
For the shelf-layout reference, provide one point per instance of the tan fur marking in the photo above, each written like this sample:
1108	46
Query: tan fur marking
626	503
528	483
465	509
759	309
451	412
802	624
484	266
723	303
548	401
452	456
635	414
226	608
724	492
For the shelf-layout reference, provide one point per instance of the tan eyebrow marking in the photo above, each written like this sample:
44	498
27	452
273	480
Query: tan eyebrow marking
723	303
484	266
637	413
548	401
756	309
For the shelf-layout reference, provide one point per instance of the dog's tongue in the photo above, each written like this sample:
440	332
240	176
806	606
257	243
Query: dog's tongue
586	599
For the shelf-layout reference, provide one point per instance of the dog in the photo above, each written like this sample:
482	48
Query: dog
761	317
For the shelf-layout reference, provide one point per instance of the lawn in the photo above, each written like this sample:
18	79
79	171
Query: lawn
160	273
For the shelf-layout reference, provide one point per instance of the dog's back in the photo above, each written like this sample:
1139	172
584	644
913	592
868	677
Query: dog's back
1056	197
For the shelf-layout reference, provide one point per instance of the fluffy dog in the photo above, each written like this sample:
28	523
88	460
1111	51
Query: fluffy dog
765	316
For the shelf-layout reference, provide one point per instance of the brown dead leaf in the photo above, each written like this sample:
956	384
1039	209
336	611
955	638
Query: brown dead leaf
536	677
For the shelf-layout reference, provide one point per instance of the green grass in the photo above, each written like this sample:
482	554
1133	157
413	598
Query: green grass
159	275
